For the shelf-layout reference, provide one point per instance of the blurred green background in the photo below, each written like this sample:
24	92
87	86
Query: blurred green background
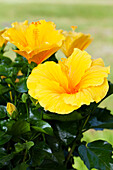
94	17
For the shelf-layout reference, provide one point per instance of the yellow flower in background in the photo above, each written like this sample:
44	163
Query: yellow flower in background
66	86
19	74
36	41
75	40
11	108
2	40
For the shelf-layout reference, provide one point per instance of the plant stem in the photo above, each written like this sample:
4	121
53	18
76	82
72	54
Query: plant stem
25	155
75	143
15	99
86	121
27	109
71	151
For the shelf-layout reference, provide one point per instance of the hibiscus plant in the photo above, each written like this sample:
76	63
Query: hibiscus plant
46	104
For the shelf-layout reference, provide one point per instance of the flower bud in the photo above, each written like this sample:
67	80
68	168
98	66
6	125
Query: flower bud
24	97
12	110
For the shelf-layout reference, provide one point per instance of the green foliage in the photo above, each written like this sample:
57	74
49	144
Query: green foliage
92	135
97	154
3	111
38	139
20	147
79	164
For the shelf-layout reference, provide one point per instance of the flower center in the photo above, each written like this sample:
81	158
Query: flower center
36	23
65	69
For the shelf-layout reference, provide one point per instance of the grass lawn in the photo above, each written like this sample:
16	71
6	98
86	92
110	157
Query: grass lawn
94	18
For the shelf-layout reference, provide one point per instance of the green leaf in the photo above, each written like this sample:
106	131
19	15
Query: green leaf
67	131
8	71
22	166
56	148
3	112
97	120
97	154
20	127
4	138
22	109
9	81
65	117
24	97
21	63
4	159
51	165
32	65
4	89
79	164
93	135
2	50
42	126
36	113
8	124
2	152
20	147
5	60
21	86
39	153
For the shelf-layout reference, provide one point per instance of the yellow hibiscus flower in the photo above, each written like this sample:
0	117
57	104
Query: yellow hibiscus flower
2	40
75	40
36	41
66	86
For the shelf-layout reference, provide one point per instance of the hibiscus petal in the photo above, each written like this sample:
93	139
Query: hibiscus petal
82	41
39	57
16	35
94	76
2	40
79	98
75	40
23	53
42	35
48	93
49	70
99	92
97	62
78	63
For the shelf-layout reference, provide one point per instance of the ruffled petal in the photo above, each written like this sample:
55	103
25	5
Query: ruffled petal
51	71
82	42
99	92
39	57
97	62
2	40
77	63
79	98
94	76
75	40
16	35
23	53
48	93
43	35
